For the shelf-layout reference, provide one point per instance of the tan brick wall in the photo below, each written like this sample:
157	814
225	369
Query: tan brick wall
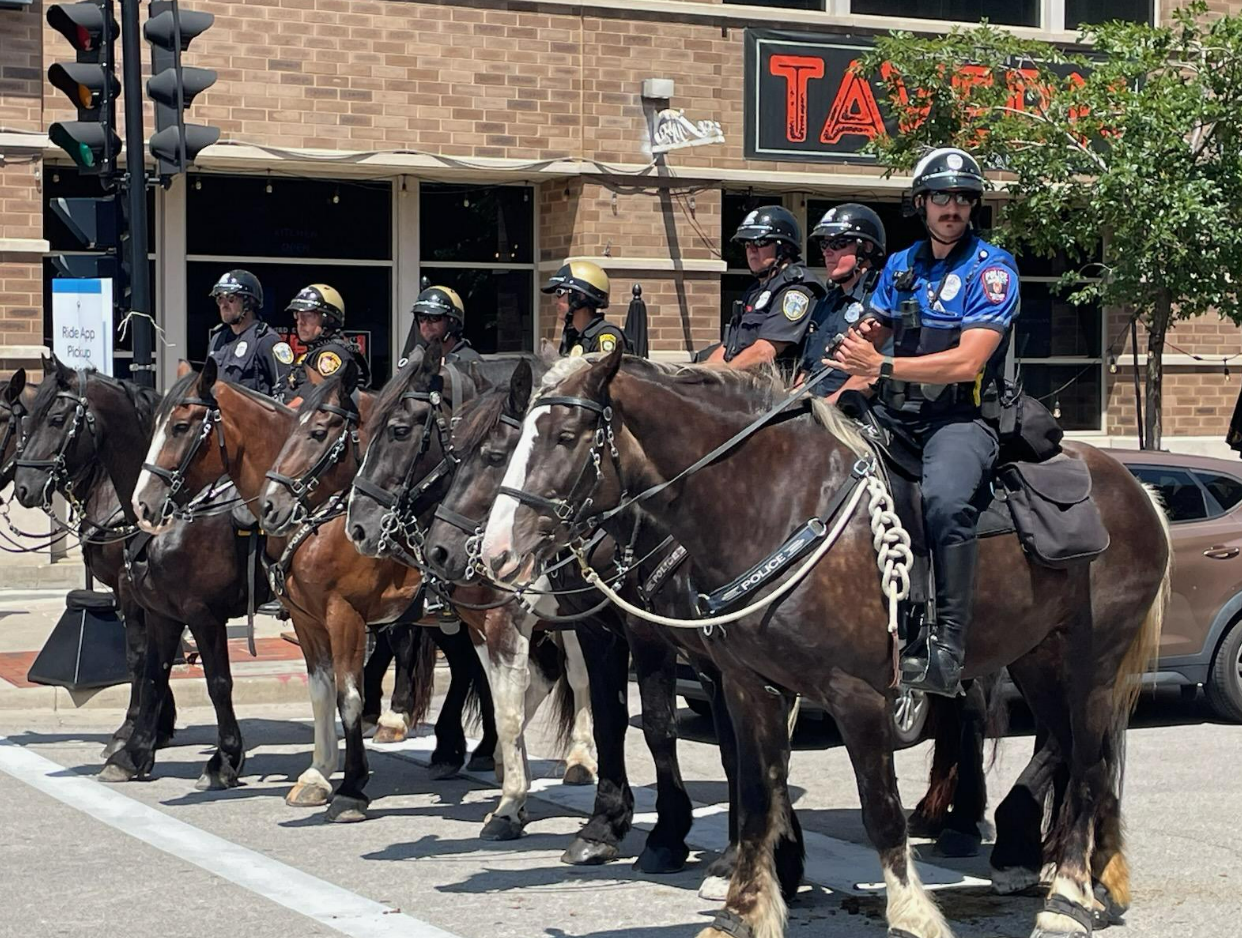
21	299
21	69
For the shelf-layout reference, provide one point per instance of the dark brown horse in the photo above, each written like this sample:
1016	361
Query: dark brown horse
1075	641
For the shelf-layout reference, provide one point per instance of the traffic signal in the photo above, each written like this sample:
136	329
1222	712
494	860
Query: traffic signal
173	86
90	83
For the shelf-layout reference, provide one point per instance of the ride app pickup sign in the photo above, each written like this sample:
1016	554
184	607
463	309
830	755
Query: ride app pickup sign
82	323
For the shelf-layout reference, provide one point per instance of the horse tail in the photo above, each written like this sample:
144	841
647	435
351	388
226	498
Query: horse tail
563	712
472	706
1145	647
422	673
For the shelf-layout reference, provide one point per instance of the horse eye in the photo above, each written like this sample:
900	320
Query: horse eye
180	428
495	458
319	435
57	421
567	437
400	433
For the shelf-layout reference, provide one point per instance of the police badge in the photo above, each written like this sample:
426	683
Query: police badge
853	312
240	350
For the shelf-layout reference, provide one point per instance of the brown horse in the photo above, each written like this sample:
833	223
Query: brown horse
1075	641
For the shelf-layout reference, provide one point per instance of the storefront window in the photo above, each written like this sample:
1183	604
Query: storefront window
498	305
1091	12
998	12
787	4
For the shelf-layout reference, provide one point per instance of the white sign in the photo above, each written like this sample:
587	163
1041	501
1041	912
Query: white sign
82	323
672	130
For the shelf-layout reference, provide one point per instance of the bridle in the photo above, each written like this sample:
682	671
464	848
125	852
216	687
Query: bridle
575	516
304	485
17	410
400	520
175	479
58	477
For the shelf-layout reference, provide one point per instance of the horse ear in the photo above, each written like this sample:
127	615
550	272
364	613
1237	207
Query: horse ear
64	374
313	377
349	378
433	355
183	368
16	385
481	383
207	379
519	389
602	373
549	354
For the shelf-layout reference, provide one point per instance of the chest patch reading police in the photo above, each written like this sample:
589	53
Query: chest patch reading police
283	353
240	349
328	363
607	342
763	299
996	284
795	305
952	287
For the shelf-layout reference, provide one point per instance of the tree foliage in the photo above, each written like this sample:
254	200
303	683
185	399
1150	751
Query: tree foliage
1134	136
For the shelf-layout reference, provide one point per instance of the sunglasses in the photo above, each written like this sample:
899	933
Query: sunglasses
759	245
960	198
429	317
837	244
562	291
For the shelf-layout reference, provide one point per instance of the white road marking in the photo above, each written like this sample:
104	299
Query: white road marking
339	909
836	864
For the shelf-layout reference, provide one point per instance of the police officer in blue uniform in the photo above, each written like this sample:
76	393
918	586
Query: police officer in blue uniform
949	303
770	320
852	240
246	350
440	314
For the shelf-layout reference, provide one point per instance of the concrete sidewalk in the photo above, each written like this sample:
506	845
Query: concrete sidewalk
276	675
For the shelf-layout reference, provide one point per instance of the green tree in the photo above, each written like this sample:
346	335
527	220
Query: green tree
1131	137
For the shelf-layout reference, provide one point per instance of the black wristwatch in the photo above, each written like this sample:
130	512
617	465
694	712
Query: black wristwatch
886	369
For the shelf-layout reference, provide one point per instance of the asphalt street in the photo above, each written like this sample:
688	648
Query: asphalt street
157	858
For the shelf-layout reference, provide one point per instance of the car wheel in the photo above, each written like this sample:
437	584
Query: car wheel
701	707
1224	683
910	708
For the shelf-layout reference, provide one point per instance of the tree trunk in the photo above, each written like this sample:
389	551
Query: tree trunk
1157	327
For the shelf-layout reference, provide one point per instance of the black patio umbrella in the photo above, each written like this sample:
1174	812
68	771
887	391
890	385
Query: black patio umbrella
636	324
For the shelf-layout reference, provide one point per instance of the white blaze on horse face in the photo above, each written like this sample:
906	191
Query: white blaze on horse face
498	536
145	479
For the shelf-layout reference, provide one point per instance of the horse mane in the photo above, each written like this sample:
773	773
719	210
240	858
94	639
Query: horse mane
478	418
315	394
175	393
755	389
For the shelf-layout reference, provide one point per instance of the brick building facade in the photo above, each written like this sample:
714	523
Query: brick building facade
481	142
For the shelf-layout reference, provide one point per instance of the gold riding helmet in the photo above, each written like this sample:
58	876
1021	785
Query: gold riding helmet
441	301
321	297
584	278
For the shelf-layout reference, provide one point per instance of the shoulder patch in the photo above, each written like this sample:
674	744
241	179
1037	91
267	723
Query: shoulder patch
328	363
283	352
795	305
996	282
607	341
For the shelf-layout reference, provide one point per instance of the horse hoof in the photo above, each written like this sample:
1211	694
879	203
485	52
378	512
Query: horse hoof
344	809
216	781
501	828
1038	932
577	774
481	762
388	734
163	740
307	796
657	860
714	889
953	843
116	773
920	825
1013	880
443	770
588	853
1110	912
369	726
113	747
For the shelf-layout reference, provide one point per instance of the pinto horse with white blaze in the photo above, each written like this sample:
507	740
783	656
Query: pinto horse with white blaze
1075	641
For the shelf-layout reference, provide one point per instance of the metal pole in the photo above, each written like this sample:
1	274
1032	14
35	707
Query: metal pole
1138	389
142	368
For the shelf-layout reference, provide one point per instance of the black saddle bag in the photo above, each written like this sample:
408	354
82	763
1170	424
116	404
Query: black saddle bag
1058	523
1027	430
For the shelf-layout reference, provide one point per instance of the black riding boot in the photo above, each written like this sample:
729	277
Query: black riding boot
941	671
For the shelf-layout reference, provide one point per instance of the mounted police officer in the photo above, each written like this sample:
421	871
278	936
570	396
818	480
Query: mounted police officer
949	303
581	291
440	314
319	315
852	240
246	350
770	320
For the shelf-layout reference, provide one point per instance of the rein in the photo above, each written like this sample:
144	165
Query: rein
304	485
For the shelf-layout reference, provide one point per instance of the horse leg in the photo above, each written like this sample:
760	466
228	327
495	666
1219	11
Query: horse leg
961	836
313	787
506	658
715	885
450	752
862	715
755	906
606	656
483	759
581	767
395	722
225	765
135	648
655	661
349	647
927	818
136	758
373	682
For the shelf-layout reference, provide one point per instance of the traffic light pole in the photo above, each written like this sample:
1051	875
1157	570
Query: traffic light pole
143	367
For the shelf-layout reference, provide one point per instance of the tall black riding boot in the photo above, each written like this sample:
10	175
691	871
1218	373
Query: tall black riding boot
955	600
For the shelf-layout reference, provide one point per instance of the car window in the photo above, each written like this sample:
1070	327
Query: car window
1225	489
1183	499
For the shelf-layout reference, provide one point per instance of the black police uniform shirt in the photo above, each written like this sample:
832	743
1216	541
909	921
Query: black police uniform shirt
256	358
326	354
776	309
463	352
974	287
835	314
600	335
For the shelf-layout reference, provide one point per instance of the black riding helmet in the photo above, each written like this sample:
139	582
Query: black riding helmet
772	223
240	283
441	301
852	220
948	168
